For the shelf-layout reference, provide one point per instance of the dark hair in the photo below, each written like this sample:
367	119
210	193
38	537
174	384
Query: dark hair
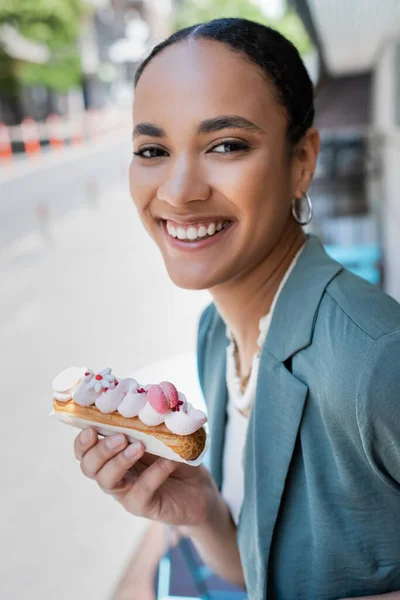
268	49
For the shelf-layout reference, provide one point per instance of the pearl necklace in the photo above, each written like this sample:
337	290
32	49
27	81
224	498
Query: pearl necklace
244	379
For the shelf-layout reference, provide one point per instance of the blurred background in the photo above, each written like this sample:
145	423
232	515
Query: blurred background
80	281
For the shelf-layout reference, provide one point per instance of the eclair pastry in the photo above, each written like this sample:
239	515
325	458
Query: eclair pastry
157	415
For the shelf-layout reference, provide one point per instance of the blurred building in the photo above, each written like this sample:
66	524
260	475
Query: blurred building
115	35
355	190
114	41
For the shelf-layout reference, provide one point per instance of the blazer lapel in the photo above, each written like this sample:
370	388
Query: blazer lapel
292	324
216	394
277	411
272	432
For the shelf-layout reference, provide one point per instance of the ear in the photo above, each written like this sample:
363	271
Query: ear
304	162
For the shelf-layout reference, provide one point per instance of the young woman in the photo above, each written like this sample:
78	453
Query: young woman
299	360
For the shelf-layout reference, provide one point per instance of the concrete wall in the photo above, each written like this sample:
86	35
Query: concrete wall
384	121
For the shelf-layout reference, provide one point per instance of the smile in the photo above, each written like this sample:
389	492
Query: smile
195	231
192	237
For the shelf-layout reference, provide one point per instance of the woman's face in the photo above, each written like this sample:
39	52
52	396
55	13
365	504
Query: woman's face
210	176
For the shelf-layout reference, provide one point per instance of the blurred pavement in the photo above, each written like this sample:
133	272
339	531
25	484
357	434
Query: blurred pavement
81	284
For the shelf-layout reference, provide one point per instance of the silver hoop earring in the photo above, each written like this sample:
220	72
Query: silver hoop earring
298	215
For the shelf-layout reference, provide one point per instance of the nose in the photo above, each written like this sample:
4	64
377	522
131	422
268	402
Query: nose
183	183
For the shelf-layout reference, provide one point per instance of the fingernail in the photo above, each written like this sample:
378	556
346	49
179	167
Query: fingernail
132	449
85	436
115	441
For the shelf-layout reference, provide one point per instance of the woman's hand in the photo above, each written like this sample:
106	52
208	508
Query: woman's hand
146	485
165	491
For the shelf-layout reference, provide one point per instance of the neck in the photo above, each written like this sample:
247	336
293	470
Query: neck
243	302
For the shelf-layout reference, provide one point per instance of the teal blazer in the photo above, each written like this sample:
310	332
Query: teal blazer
321	513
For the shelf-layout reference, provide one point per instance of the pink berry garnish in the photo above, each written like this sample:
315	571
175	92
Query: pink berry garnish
99	377
87	373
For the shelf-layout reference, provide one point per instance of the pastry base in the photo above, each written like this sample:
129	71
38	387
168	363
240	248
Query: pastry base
157	439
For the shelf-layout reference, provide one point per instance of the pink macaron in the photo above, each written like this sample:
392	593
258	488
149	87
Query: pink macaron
163	397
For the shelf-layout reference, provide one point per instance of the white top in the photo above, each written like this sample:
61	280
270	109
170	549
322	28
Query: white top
236	427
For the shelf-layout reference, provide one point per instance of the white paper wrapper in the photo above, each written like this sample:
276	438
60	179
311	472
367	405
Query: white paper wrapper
151	444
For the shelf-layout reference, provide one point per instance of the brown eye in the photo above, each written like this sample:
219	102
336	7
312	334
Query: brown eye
229	147
150	152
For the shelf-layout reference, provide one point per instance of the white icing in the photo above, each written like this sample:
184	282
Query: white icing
182	398
151	444
124	395
83	396
88	376
68	379
66	382
62	397
133	402
109	400
149	416
185	422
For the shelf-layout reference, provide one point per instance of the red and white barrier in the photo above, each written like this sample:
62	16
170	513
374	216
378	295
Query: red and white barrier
55	129
76	130
30	136
5	144
58	132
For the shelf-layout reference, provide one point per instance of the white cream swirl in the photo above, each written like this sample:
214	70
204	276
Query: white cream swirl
125	396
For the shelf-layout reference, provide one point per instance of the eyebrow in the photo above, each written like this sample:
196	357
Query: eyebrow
206	126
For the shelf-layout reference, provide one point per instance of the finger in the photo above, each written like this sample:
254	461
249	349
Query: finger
103	451
84	441
140	495
148	459
138	467
121	466
128	479
131	476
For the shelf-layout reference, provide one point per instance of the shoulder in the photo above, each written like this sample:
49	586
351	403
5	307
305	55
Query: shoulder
378	408
379	383
365	306
352	368
353	315
356	336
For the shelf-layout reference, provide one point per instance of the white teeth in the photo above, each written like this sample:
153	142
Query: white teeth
171	230
193	233
202	232
211	229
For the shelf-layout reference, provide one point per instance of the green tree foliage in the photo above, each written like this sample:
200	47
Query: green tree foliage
54	23
192	12
58	75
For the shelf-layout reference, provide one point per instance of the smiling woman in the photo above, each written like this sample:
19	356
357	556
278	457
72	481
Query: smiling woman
213	159
299	360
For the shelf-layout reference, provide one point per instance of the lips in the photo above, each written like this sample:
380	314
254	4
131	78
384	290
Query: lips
194	231
184	243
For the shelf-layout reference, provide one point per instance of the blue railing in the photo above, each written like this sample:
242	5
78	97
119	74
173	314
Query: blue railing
181	569
364	261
